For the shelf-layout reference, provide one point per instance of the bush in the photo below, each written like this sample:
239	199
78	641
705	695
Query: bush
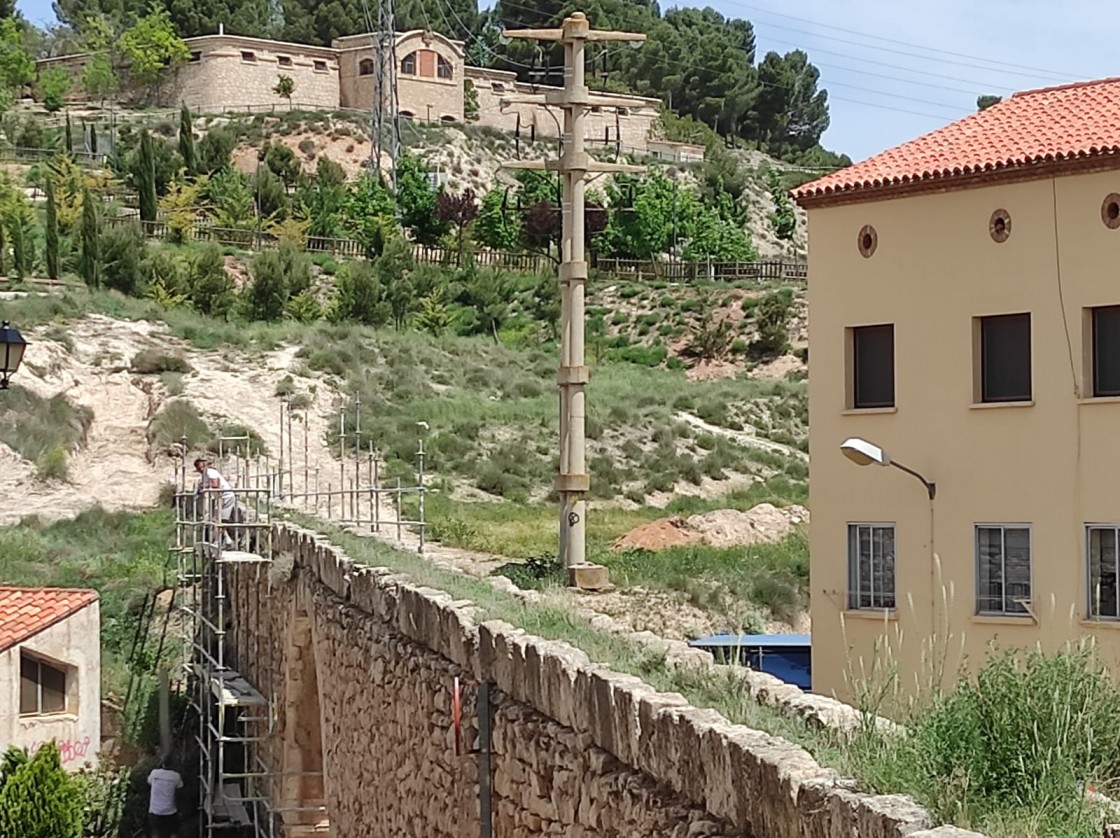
178	419
53	464
360	296
210	285
38	797
773	315
215	150
123	251
151	361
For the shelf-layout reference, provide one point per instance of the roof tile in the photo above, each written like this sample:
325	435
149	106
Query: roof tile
25	612
1035	126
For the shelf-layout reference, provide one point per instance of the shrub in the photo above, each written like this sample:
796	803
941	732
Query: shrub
360	296
38	797
178	419
151	361
211	286
53	464
122	254
773	315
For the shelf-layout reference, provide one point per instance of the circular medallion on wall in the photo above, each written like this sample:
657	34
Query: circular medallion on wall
868	241
1110	211
1000	226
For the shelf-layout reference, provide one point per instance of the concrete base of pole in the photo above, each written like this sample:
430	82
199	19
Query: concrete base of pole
589	577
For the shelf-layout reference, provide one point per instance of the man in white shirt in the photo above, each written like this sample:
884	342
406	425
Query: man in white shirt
213	479
163	814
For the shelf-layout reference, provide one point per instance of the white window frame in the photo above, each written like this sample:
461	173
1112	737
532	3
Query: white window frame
1090	598
1003	527
855	593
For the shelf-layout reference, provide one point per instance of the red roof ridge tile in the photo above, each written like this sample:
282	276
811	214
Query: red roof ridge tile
1073	85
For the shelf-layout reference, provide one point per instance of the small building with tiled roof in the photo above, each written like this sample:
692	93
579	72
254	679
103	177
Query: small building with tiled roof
965	319
50	671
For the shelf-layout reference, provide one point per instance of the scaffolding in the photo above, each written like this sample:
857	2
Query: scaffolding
240	788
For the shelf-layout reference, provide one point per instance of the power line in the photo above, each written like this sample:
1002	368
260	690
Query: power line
1047	73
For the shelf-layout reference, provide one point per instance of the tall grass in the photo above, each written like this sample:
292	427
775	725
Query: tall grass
122	556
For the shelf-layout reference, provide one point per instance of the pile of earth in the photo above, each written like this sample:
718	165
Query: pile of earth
762	524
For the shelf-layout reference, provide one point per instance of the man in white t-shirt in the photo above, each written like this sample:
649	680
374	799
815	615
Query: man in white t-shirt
213	479
163	814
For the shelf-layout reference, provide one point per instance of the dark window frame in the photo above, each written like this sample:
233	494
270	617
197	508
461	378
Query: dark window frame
863	592
1096	314
284	61
38	666
1103	599
320	66
988	387
248	56
870	403
443	66
409	64
366	67
1004	603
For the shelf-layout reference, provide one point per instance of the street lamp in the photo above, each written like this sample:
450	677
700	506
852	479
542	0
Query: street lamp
864	453
13	345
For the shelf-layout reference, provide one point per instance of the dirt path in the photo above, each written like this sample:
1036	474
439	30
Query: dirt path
115	468
748	438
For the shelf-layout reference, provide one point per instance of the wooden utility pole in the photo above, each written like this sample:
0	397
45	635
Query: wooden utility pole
573	166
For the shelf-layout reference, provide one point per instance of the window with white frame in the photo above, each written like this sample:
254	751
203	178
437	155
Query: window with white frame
42	687
871	566
1104	592
1003	569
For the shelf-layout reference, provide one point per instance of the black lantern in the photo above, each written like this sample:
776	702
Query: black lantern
12	345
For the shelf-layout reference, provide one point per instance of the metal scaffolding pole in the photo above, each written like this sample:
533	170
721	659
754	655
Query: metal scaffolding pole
573	166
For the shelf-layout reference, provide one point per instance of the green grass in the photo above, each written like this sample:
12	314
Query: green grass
122	556
44	431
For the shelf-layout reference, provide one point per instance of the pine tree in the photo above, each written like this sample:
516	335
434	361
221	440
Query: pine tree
186	140
52	231
69	135
91	242
93	139
147	179
40	800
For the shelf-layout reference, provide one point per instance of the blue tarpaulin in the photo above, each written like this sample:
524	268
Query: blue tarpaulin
785	656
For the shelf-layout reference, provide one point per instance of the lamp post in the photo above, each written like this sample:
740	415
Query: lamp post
12	346
864	453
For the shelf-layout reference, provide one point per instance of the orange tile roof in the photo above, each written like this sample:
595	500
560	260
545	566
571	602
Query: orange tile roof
1071	122
25	612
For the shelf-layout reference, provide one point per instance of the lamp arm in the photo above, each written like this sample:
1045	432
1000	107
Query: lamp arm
930	487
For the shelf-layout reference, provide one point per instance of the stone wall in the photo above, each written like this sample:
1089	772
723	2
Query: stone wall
369	659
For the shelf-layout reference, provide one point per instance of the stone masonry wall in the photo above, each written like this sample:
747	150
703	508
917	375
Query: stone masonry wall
577	750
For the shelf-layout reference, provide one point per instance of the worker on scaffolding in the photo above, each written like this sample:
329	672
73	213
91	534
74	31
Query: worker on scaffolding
163	814
212	481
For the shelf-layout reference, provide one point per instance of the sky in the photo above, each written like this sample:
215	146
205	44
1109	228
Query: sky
897	70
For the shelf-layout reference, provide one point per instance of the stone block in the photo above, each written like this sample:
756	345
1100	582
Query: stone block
589	577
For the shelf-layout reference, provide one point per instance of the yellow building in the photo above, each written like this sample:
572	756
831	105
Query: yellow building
965	318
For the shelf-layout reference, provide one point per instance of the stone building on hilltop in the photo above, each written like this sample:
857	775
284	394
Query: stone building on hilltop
434	84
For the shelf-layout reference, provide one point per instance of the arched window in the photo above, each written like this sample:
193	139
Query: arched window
408	65
406	115
443	67
365	67
447	118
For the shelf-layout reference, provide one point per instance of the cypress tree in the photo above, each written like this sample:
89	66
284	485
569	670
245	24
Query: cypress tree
40	798
3	251
91	242
147	179
20	260
52	231
69	135
93	139
186	139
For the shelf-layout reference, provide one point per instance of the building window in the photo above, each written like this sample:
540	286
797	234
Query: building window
497	87
447	118
871	566
249	57
195	57
1106	350
1003	569
872	366
623	111
408	64
1005	358
284	60
406	115
320	66
365	67
443	67
42	687
1104	592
